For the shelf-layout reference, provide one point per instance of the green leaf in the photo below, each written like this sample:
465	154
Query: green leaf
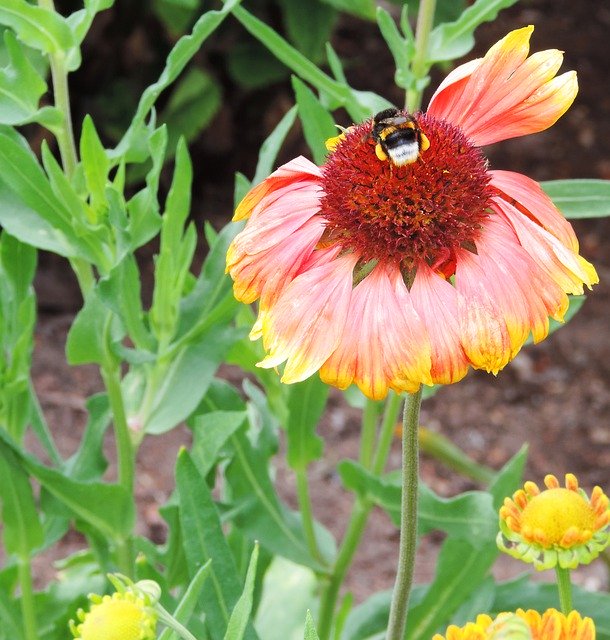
80	21
309	25
87	337
289	591
177	59
107	508
455	39
196	99
177	397
318	125
272	145
188	602
310	628
17	265
306	403
21	86
258	510
580	198
241	612
401	47
211	431
37	27
22	528
360	8
95	165
203	540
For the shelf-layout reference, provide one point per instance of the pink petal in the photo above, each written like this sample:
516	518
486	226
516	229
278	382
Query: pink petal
502	296
435	301
384	343
561	263
305	325
506	94
298	170
525	193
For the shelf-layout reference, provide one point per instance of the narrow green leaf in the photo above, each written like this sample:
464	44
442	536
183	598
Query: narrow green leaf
309	26
95	165
210	433
177	59
455	39
580	198
241	612
189	600
203	540
177	398
21	86
22	528
401	47
272	145
17	265
37	27
306	403
335	64
318	125
310	628
360	8
107	508
80	21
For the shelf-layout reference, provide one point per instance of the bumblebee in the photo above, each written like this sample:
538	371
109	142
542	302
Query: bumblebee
398	137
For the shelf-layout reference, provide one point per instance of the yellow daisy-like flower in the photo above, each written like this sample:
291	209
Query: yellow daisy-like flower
121	616
524	625
557	526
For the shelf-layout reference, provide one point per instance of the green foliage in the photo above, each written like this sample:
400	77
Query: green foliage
580	198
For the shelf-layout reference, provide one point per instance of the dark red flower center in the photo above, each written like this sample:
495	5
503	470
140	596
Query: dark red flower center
423	211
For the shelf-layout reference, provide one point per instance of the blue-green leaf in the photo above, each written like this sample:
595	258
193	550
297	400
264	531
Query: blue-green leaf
580	198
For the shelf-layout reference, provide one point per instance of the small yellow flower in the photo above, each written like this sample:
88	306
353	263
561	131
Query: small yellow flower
557	526
121	616
524	625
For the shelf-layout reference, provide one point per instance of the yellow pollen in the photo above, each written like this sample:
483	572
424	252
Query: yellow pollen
558	517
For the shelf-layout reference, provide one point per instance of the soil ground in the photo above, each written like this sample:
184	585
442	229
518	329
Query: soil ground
555	396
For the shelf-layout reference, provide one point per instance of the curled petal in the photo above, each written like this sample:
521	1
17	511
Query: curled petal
305	325
526	194
561	263
506	94
384	344
435	301
298	170
502	296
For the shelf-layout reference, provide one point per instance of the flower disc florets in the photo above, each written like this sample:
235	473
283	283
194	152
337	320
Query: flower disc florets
557	526
425	210
524	625
127	614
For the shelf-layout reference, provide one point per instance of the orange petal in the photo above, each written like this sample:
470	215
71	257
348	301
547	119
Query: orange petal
305	325
384	344
435	302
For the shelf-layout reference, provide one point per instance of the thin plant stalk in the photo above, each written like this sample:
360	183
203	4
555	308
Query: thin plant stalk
28	610
419	66
358	519
306	511
408	518
564	585
369	430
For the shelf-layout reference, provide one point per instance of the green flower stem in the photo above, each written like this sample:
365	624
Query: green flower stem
369	429
111	375
59	74
564	585
419	66
387	431
408	518
28	611
351	540
307	514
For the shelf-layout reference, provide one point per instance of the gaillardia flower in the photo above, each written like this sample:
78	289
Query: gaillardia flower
557	526
125	615
524	625
404	259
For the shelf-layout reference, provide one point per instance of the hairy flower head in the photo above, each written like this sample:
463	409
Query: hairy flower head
557	526
405	259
